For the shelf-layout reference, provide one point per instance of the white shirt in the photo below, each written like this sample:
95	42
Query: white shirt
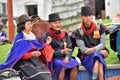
29	36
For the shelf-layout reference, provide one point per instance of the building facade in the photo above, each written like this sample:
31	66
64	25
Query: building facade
32	7
112	8
68	9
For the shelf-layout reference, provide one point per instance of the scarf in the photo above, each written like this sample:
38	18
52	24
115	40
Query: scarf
92	28
59	36
29	36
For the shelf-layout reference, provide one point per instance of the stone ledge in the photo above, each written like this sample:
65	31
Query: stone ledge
109	66
113	66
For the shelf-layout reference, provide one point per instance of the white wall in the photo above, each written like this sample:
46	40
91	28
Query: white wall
113	8
47	8
68	9
69	12
43	7
19	7
3	1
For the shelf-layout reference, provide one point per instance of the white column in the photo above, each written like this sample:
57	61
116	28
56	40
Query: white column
47	8
40	10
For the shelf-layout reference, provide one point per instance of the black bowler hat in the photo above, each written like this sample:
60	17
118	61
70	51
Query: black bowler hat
54	17
86	10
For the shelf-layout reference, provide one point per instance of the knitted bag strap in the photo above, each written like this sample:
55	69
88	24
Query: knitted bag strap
65	42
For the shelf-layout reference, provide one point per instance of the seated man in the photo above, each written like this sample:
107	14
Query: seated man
65	67
91	42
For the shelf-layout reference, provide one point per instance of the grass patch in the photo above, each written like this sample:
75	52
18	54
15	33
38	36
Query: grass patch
112	58
106	21
4	49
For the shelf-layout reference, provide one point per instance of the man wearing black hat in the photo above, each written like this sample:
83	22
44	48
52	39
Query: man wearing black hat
62	61
90	39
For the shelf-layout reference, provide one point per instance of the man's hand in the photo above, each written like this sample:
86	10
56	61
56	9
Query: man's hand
66	60
90	51
104	53
66	51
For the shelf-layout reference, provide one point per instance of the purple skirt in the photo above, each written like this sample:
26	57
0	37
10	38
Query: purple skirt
88	61
57	65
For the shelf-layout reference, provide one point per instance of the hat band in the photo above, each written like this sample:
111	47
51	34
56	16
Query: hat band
54	20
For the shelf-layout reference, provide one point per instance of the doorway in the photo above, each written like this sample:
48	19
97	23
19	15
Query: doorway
100	9
32	10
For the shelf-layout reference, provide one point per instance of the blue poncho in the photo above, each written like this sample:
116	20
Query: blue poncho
20	47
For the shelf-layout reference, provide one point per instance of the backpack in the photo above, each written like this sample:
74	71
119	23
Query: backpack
113	31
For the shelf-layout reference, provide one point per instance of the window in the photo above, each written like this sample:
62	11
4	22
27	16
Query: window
3	9
32	10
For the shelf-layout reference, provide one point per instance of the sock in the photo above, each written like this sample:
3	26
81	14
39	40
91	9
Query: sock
94	76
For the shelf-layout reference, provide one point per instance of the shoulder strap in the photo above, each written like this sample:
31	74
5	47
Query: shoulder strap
65	43
98	26
80	31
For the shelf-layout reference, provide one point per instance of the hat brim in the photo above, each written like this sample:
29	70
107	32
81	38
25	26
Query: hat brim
24	21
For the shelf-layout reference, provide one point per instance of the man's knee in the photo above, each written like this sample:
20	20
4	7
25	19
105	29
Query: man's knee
75	68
